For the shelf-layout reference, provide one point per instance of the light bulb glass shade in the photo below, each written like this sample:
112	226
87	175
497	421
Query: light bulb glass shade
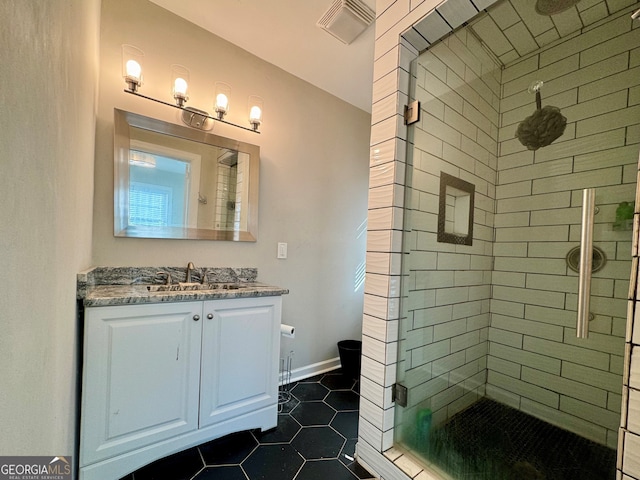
256	111
180	87
179	84
255	115
132	65
134	70
222	102
223	92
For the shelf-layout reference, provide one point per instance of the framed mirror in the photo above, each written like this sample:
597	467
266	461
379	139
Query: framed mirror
172	181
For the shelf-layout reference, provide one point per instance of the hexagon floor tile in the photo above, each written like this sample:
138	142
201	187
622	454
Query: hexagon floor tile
315	440
315	443
346	424
228	450
234	472
287	428
343	400
324	470
308	392
313	413
337	382
268	462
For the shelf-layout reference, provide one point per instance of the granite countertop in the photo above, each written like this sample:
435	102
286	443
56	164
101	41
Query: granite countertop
130	294
104	286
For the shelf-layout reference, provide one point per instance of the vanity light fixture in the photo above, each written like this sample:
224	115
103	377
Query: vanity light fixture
180	84
256	106
132	73
223	92
132	66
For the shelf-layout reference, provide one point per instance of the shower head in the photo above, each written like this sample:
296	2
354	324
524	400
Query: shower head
551	7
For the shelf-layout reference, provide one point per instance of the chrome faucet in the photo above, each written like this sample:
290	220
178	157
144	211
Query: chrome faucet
167	276
190	268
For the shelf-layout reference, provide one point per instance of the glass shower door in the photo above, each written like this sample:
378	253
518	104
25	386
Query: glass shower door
488	347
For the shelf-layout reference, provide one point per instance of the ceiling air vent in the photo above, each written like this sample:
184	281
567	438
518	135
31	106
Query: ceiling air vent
346	19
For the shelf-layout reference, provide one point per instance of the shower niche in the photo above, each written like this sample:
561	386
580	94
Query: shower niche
455	210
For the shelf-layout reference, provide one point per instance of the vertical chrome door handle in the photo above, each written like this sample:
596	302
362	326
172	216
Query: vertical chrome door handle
586	262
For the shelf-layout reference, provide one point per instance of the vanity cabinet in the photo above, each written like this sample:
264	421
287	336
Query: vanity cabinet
240	355
160	378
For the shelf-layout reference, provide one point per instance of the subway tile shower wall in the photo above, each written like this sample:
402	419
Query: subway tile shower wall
538	208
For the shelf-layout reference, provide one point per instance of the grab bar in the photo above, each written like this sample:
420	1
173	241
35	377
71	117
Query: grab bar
586	260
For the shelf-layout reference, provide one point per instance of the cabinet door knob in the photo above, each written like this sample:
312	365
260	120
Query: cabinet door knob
196	318
209	316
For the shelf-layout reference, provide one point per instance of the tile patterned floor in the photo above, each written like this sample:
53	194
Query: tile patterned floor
491	441
315	440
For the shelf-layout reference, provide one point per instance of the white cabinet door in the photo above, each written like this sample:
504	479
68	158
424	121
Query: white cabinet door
240	351
141	376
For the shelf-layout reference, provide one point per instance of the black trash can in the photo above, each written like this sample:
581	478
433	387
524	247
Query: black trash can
350	352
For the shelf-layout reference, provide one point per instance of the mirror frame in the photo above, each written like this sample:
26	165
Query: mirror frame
123	120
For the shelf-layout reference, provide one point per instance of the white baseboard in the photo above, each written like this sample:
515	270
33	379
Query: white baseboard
314	369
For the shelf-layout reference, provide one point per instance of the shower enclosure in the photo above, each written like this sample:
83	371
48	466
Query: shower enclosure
496	383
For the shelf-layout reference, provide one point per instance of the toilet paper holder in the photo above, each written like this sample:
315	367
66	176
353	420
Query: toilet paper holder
288	331
284	388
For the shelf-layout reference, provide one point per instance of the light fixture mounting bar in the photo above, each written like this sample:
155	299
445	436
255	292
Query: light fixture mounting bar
216	119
